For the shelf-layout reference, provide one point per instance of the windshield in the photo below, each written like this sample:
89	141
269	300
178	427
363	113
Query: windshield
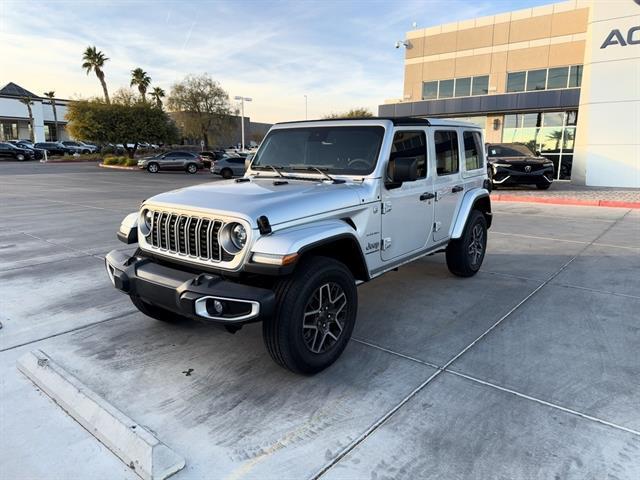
513	150
338	150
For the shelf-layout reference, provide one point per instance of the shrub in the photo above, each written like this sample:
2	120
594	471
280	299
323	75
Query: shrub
110	160
130	162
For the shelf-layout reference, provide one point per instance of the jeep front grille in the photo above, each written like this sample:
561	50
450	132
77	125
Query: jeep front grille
187	235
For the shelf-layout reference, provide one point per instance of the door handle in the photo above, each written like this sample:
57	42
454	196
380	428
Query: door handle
427	196
457	188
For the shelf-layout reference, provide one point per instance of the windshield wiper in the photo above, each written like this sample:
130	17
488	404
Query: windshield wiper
311	168
275	168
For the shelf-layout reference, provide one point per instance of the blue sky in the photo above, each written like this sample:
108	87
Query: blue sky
339	53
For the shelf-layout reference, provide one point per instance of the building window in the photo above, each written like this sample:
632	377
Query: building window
536	80
516	81
551	133
575	76
480	85
446	89
430	90
463	87
8	131
446	143
558	77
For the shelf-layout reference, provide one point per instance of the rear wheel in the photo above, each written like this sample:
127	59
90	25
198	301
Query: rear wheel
226	173
543	186
192	168
20	157
465	254
153	167
315	315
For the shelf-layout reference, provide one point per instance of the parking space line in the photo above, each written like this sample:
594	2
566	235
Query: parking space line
604	292
352	445
522	235
506	212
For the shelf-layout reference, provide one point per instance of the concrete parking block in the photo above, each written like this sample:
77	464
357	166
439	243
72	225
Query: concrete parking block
412	311
458	429
608	269
38	440
131	442
569	346
49	298
221	401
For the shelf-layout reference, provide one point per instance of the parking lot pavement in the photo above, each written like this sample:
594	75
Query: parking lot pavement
528	370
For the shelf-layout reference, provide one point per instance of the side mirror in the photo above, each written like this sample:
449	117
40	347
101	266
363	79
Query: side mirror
400	170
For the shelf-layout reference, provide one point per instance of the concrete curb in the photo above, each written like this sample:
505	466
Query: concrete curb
564	201
132	443
117	167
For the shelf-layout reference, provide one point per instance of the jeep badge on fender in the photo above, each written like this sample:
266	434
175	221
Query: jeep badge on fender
324	206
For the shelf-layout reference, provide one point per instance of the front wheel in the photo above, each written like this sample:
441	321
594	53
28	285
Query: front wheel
465	254
315	315
226	173
153	168
20	157
192	168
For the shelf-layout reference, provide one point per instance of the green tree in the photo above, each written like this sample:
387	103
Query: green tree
51	96
28	102
125	96
140	79
157	94
93	61
353	113
116	123
201	105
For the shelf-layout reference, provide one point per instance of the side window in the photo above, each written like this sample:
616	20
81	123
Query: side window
411	144
472	149
447	155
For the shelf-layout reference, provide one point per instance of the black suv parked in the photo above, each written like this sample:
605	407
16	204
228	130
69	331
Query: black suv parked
515	164
55	148
36	152
12	152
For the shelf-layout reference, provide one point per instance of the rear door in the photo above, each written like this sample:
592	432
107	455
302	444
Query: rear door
448	183
407	211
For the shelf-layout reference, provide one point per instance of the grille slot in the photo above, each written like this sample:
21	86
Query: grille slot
187	235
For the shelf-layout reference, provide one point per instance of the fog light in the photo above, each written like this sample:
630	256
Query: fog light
217	306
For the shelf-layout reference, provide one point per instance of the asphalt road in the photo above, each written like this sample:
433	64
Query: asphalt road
529	370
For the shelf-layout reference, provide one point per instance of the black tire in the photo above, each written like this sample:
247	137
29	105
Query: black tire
226	173
192	168
543	186
490	177
465	255
86	152
155	312
289	340
153	167
20	157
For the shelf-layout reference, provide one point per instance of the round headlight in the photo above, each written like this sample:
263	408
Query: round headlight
145	222
238	236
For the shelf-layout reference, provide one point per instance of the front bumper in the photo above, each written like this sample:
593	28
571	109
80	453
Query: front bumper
201	296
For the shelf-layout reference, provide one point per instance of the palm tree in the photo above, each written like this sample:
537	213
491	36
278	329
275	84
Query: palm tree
27	101
157	94
51	96
140	78
94	61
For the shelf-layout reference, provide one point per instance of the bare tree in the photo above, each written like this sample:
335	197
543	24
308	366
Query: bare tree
202	106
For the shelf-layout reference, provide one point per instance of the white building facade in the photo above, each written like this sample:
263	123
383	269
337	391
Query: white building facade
14	116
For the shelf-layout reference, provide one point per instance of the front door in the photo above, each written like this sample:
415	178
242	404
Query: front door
448	184
407	210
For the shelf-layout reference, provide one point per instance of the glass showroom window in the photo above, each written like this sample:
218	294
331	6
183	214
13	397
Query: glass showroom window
430	90
463	87
516	81
551	133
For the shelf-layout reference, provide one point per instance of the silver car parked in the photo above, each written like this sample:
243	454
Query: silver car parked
229	166
185	161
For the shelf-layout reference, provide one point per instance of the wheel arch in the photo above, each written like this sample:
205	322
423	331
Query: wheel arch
477	199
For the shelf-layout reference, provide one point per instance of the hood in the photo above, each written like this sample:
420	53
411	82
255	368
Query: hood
519	160
280	203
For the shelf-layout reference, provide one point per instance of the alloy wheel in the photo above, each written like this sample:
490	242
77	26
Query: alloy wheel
476	244
324	317
192	168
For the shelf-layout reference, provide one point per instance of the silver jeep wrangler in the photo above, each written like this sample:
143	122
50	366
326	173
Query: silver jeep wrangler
324	206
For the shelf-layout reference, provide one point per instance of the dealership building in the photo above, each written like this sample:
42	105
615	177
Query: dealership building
563	79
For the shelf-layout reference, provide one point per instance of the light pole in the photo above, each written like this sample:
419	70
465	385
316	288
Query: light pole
242	100
306	110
